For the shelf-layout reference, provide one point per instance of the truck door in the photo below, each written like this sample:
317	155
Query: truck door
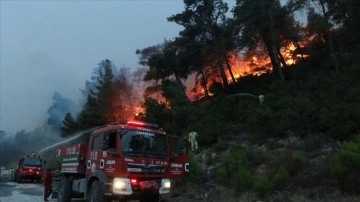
179	157
95	153
110	152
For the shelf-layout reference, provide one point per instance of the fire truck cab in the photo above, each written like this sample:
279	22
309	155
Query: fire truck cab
134	161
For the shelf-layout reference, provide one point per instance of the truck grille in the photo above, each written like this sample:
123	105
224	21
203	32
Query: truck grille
145	169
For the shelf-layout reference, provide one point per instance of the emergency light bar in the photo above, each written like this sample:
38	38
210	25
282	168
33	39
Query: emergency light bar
142	124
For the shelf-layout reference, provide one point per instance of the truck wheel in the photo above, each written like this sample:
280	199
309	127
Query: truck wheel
65	190
96	192
151	198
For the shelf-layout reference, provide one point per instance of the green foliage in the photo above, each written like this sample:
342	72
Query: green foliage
70	125
221	145
237	159
242	179
157	113
280	176
238	175
262	185
221	175
298	159
345	165
347	159
196	172
208	157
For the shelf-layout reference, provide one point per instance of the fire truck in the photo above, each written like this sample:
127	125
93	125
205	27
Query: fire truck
29	168
122	162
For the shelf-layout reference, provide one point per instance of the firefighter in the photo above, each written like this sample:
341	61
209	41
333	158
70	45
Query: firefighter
47	184
193	141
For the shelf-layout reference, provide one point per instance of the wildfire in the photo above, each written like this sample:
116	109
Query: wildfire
255	62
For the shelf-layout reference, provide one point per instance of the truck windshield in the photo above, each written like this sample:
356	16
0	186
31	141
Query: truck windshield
32	162
143	143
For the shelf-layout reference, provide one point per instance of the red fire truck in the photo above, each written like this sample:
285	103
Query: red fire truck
134	161
29	168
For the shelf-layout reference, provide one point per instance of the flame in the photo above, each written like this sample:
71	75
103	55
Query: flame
255	63
139	110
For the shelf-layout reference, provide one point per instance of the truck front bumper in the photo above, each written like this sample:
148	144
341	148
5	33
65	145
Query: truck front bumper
126	186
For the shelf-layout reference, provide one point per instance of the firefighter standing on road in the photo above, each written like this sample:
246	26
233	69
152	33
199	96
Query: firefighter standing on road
193	141
47	184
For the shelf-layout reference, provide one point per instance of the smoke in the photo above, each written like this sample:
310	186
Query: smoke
23	143
60	107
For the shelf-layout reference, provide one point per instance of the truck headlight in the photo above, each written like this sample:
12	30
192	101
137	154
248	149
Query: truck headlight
165	186
122	186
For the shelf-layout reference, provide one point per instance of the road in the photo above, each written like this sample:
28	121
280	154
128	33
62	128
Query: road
20	192
24	192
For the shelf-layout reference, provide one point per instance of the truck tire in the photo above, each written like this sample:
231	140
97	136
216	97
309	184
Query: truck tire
65	190
96	192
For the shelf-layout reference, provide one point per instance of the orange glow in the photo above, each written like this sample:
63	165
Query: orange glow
256	62
138	111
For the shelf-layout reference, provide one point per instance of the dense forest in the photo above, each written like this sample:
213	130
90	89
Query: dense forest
252	70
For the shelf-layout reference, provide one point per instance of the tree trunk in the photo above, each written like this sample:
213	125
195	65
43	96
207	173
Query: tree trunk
219	62
273	57
300	50
203	78
328	33
230	71
275	47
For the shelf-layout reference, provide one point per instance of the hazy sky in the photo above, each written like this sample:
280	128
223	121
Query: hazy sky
54	45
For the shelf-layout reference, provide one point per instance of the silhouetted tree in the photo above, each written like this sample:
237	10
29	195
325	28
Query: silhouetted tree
70	125
202	21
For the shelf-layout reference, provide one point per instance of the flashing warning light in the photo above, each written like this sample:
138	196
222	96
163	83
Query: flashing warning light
133	181
142	124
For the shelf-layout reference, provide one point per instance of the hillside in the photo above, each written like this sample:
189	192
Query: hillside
301	144
309	179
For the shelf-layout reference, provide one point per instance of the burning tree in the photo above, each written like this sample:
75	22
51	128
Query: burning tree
111	99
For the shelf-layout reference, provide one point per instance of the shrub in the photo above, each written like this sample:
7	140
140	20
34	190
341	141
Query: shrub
280	176
222	176
295	162
196	173
208	157
237	159
221	145
242	180
262	185
345	165
299	159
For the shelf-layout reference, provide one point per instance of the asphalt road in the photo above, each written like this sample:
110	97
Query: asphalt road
23	192
26	191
